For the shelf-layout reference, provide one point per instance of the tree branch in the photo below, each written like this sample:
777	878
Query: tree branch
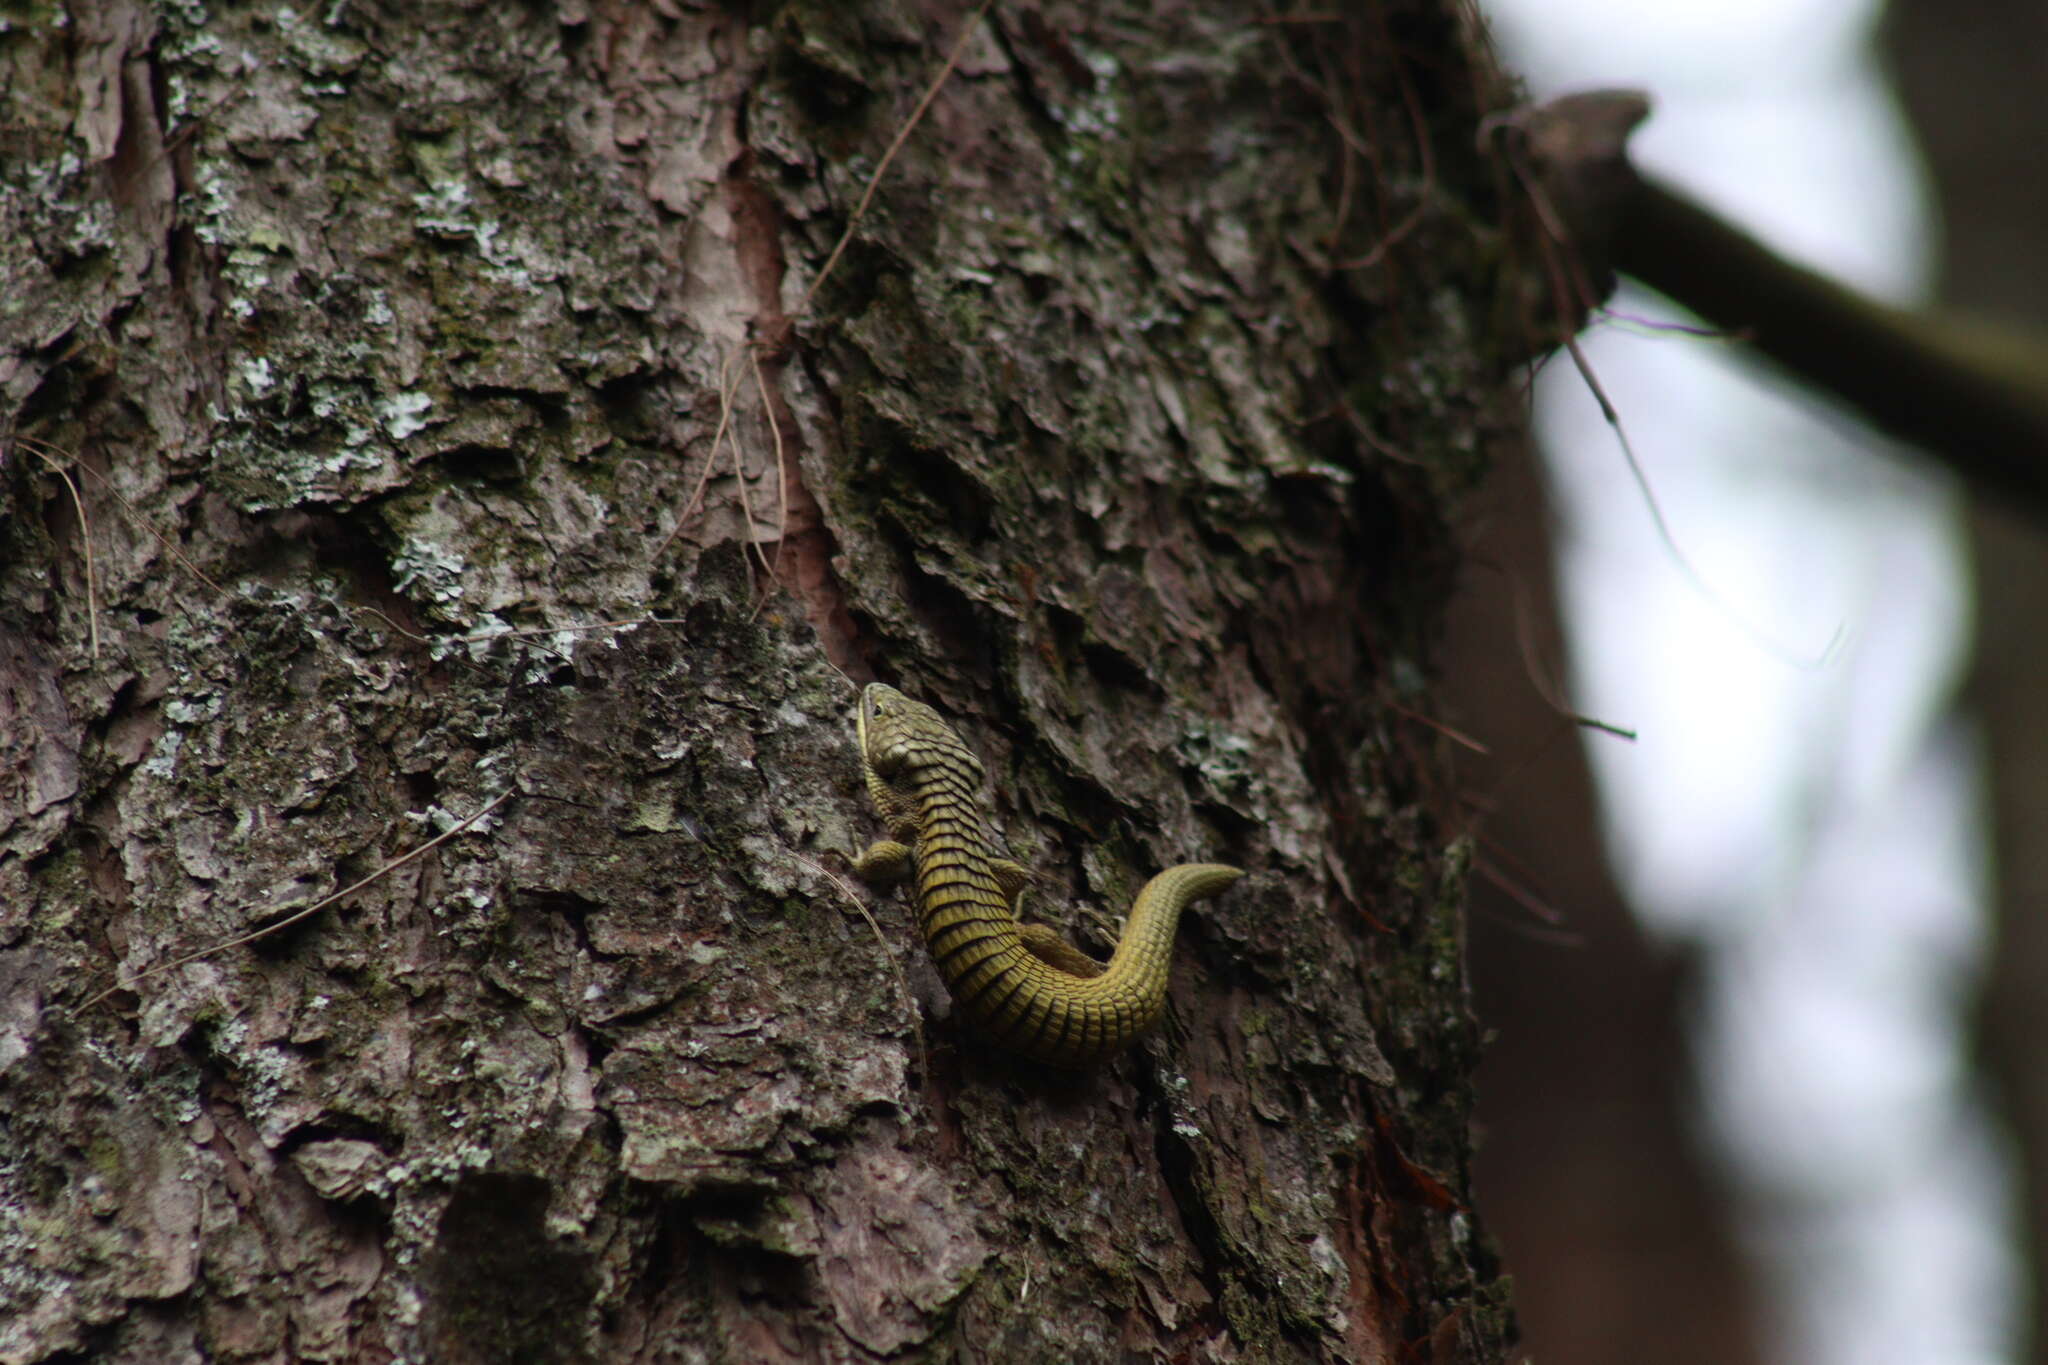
1970	393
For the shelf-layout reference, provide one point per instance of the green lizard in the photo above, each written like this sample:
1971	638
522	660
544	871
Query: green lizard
1022	984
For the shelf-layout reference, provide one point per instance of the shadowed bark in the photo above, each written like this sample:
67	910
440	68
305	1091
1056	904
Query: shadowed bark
1124	432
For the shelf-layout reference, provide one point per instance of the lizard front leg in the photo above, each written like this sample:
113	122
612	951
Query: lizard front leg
885	863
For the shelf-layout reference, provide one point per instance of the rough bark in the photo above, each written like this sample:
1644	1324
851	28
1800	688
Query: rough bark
1124	432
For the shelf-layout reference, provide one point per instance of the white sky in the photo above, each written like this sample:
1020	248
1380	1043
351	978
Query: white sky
1801	803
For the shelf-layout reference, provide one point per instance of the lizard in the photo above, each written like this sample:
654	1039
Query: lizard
1021	984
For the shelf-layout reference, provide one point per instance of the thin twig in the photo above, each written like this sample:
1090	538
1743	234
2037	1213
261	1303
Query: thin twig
1541	933
747	509
1455	736
1490	868
1423	196
729	378
895	964
1364	148
1548	688
1560	261
1567	280
781	471
844	676
294	918
726	390
1662	326
1755	633
902	136
92	611
106	486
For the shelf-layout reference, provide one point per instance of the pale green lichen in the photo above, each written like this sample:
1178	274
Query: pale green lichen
428	568
163	755
322	49
402	412
254	372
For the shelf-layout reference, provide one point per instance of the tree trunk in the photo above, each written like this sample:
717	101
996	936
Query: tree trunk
1974	93
342	343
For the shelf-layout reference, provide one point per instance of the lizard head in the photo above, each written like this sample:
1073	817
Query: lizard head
896	733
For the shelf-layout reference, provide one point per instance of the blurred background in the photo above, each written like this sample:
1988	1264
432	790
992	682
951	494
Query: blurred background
1767	982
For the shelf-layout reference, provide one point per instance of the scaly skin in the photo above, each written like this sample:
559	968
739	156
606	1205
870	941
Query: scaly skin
1021	984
